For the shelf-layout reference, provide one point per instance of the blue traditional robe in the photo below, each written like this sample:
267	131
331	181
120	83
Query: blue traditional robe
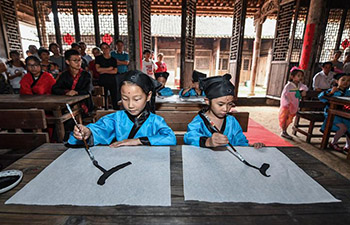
199	130
165	91
337	119
191	92
151	129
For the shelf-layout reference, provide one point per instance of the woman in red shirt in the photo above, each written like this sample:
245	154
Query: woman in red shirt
36	81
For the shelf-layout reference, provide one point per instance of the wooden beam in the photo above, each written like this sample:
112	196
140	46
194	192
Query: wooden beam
115	21
76	20
236	45
96	22
57	23
37	23
4	35
188	29
134	34
256	56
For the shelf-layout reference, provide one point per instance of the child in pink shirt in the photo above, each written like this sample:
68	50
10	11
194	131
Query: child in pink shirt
291	94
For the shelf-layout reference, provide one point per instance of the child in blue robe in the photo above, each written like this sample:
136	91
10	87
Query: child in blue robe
219	93
194	90
340	125
136	125
162	77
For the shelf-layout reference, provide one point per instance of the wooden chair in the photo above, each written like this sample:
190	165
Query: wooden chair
98	97
14	139
242	118
310	109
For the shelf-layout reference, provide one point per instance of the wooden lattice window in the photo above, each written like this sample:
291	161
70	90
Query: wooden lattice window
330	37
346	30
236	25
146	24
284	20
299	34
246	64
11	25
190	29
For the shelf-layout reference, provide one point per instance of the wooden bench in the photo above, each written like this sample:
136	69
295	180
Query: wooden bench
21	132
98	97
310	109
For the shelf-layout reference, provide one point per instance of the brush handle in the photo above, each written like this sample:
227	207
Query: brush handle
217	130
82	134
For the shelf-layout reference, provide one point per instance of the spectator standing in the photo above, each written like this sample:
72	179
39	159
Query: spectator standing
83	53
92	67
5	88
122	57
335	61
161	66
57	57
148	66
106	66
15	70
44	55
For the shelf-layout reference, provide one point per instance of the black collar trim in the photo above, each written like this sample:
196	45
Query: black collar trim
138	121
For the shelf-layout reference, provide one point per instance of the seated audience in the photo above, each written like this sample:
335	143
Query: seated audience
36	81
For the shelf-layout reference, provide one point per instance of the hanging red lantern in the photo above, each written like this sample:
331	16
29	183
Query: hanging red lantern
107	38
345	44
68	39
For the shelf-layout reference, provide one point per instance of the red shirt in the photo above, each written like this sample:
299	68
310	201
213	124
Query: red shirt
161	67
42	86
92	68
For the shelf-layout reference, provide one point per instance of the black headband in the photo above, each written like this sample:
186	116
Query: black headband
162	74
340	75
218	86
197	75
142	80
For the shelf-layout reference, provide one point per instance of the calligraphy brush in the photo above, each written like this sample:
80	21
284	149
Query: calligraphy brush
106	173
264	166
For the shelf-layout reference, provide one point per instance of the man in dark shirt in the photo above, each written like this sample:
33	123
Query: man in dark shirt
106	66
74	81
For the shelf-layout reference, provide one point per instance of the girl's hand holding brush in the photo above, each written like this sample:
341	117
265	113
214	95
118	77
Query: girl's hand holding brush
81	131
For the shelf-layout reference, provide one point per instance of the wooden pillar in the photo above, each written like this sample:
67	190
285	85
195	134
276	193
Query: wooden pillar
44	35
57	23
37	23
115	21
217	56
256	56
236	45
96	23
188	28
3	38
76	20
155	47
134	34
268	67
313	38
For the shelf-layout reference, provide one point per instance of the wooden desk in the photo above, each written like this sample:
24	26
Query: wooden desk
50	103
334	104
175	103
181	212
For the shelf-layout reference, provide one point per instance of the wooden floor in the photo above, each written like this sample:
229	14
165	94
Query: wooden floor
181	212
